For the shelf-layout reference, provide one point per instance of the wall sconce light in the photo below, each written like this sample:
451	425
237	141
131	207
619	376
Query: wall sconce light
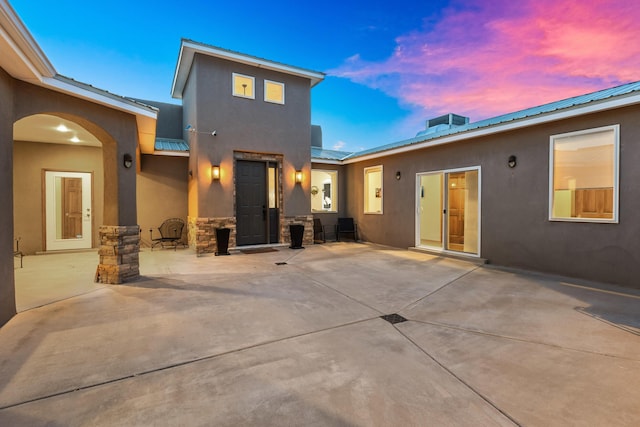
298	177
398	175
512	162
215	172
127	160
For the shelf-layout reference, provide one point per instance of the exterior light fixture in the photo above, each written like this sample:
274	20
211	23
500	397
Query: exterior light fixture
215	172
512	162
127	160
298	177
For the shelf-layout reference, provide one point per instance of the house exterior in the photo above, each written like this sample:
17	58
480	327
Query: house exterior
248	124
550	189
64	143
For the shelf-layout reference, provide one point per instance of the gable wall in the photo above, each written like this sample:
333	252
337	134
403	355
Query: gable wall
248	125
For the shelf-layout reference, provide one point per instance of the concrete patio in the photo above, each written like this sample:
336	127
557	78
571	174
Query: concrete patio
240	340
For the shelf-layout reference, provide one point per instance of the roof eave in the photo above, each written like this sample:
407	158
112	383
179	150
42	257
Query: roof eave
25	59
594	107
188	49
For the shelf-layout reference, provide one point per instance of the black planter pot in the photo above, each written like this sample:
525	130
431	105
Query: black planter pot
222	241
297	232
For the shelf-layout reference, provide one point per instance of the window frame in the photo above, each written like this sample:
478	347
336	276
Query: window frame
242	95
334	191
365	189
272	101
616	174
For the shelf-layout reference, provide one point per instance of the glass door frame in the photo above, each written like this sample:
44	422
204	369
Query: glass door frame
444	198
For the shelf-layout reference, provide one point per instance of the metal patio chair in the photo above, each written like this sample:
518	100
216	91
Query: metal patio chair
318	231
170	234
18	253
346	226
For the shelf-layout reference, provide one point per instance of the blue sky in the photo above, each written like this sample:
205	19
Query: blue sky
390	65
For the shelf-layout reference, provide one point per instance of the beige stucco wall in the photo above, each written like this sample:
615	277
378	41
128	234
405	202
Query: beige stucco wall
162	193
30	159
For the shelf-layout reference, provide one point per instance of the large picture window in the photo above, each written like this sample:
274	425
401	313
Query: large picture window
583	182
324	190
373	190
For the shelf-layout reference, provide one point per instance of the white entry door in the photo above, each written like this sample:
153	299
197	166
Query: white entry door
68	210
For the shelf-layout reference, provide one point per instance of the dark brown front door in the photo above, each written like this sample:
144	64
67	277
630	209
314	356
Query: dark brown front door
251	202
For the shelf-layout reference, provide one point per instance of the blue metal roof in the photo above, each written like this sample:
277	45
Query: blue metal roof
618	91
168	144
320	153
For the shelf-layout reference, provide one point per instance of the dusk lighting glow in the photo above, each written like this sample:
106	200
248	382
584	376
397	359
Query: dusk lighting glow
390	66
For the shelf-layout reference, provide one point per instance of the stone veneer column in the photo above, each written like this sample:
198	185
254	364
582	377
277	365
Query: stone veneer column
119	254
306	220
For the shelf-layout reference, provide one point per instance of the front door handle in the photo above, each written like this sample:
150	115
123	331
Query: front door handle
264	212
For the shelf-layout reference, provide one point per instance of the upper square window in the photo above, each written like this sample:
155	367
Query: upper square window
583	181
273	92
244	86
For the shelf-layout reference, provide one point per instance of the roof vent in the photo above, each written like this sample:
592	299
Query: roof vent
448	119
443	123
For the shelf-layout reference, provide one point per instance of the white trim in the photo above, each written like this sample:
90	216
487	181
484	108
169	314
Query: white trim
18	37
326	161
273	101
364	189
596	106
335	189
170	153
242	95
616	174
444	173
188	49
52	241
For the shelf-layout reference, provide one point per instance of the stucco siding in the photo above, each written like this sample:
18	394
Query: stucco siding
515	230
248	125
7	290
162	193
30	159
330	219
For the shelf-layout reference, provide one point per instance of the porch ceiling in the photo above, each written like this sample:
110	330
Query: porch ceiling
52	129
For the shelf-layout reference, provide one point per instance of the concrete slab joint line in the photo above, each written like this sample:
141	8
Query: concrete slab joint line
242	341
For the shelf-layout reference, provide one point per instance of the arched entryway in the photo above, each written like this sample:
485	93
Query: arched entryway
58	185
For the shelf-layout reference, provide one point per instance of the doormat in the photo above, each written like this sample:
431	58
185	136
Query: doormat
257	250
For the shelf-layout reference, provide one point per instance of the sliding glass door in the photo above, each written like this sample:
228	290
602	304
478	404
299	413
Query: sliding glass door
448	210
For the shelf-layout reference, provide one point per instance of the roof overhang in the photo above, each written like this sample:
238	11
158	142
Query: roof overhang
23	59
413	145
189	48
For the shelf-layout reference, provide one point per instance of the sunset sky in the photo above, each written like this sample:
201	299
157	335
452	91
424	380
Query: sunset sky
389	65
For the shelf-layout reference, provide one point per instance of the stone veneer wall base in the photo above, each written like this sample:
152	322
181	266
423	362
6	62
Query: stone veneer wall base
119	254
202	233
306	220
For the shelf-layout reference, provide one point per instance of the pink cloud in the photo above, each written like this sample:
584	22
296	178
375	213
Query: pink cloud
488	58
